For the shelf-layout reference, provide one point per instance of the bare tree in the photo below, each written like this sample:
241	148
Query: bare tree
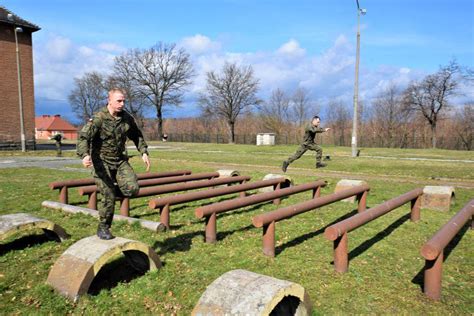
161	72
464	119
303	108
275	113
431	95
229	94
390	114
339	118
88	95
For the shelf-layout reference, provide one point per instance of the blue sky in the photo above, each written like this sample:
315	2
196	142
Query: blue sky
289	43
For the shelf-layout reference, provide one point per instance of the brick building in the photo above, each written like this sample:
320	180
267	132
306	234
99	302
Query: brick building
10	131
47	126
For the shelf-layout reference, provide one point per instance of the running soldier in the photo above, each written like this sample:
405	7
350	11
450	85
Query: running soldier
308	144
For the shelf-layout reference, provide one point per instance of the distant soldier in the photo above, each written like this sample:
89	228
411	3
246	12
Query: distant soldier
58	138
309	144
101	144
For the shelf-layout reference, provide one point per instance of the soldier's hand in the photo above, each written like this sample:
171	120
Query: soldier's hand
87	161
327	129
146	160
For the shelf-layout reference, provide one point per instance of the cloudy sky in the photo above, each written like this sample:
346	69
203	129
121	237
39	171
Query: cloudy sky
290	44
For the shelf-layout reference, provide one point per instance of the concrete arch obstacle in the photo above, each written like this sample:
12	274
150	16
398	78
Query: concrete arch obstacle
241	292
13	223
73	272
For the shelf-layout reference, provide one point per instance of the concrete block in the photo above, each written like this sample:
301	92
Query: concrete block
72	274
241	292
288	183
438	198
346	184
13	223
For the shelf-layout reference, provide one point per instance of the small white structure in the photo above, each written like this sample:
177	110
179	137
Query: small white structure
265	139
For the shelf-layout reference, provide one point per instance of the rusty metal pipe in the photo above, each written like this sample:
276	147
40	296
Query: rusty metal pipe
338	229
436	244
89	181
292	210
255	199
199	195
159	181
433	275
63	186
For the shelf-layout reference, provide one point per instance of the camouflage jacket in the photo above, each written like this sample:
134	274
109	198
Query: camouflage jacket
104	137
310	132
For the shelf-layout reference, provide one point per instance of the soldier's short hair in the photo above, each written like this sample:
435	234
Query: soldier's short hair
315	117
117	89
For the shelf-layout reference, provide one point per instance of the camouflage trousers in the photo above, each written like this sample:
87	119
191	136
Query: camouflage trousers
305	147
113	181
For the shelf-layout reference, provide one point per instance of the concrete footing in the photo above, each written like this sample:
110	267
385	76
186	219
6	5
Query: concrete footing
288	182
345	184
223	173
73	272
150	225
241	292
438	198
13	223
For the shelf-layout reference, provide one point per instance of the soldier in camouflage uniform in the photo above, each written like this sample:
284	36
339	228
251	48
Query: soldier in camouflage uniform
57	138
101	144
308	144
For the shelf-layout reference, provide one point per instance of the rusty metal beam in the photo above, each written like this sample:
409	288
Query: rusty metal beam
159	181
292	210
433	250
176	187
164	203
338	232
210	211
65	184
268	220
338	229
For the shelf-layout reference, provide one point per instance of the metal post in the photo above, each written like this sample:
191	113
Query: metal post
433	275
211	223
165	216
341	259
269	239
63	197
356	85
125	207
277	201
362	202
20	94
316	192
92	203
415	209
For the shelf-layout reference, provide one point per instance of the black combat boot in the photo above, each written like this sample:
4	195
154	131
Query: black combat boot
103	232
284	166
320	165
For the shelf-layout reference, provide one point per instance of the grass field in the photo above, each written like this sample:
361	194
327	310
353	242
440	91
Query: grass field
385	269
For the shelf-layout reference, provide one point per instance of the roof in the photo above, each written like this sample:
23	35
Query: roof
53	123
17	21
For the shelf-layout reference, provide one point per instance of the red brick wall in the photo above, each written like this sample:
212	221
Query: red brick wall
9	104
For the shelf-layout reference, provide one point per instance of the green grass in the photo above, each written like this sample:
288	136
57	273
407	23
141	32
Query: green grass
385	255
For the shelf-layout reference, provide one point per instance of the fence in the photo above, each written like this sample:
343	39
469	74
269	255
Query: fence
418	142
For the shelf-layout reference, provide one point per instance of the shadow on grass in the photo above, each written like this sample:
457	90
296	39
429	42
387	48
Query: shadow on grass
419	277
380	236
113	273
28	241
178	243
303	238
223	235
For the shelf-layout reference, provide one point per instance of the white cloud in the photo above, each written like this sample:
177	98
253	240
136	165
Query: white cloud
328	75
59	60
292	49
111	47
199	44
